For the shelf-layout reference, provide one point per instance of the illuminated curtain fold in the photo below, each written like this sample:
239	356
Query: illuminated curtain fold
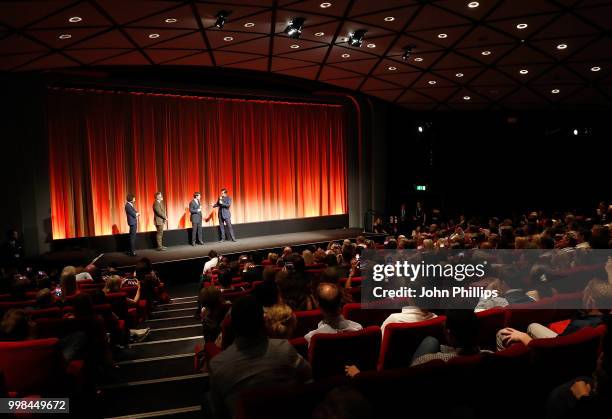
279	160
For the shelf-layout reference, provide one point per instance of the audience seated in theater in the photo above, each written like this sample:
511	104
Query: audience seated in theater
225	282
68	287
585	397
273	258
16	326
252	361
113	285
461	332
253	268
148	279
294	285
45	299
212	313
597	302
410	313
331	300
266	293
280	322
512	288
211	263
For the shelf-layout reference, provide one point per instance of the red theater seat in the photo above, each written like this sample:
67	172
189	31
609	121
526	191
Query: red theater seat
45	312
557	360
330	352
489	322
34	367
519	316
367	314
402	339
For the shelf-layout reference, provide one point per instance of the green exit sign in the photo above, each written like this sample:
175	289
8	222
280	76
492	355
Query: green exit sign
421	187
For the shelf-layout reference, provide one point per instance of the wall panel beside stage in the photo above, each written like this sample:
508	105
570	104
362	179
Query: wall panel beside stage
279	160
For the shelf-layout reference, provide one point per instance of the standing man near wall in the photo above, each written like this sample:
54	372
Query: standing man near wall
225	216
195	208
132	220
159	217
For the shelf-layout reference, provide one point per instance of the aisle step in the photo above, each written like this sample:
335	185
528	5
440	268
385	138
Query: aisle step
181	412
155	367
182	346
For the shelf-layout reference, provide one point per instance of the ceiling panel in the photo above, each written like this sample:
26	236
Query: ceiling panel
447	39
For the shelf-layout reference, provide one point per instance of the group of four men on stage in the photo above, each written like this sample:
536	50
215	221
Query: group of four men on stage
195	209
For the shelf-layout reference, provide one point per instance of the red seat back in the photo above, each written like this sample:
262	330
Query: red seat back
402	339
44	312
118	302
330	352
306	321
489	322
367	314
519	316
31	366
563	358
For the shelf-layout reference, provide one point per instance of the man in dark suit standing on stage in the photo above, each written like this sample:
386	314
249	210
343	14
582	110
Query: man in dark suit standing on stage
132	220
195	208
159	217
225	216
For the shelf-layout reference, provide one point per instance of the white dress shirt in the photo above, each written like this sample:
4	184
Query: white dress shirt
409	314
339	326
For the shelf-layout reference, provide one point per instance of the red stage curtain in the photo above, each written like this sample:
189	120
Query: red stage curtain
278	160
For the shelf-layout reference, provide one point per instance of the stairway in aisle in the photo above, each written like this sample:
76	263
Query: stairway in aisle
156	377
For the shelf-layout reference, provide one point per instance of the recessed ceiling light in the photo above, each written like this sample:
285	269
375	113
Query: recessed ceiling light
65	36
432	82
555	91
389	19
371	45
418	59
459	75
466	98
561	46
521	26
575	132
325	5
473	4
170	20
153	35
319	33
345	55
487	52
75	19
596	68
294	46
442	35
228	38
249	25
523	71
392	68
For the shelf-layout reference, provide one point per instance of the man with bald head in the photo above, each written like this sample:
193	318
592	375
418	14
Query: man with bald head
331	300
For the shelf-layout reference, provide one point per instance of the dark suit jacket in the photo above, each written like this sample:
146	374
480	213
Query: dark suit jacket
159	213
196	216
224	206
130	212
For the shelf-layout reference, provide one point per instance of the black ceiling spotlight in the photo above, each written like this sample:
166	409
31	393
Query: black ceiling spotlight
294	28
222	18
355	39
408	52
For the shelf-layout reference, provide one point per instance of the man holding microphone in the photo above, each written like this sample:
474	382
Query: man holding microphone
195	209
225	216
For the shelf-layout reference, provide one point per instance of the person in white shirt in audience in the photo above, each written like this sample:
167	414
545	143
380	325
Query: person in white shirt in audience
330	299
409	314
212	262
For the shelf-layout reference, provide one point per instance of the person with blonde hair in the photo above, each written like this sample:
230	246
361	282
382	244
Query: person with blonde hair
280	322
308	257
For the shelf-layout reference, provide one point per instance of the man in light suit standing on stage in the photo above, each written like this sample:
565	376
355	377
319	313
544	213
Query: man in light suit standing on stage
132	220
225	216
159	217
195	209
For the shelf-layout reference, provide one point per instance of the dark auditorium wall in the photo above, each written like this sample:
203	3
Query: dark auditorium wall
24	169
501	163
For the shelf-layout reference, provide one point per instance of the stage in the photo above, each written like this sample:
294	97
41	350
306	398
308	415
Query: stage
262	243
